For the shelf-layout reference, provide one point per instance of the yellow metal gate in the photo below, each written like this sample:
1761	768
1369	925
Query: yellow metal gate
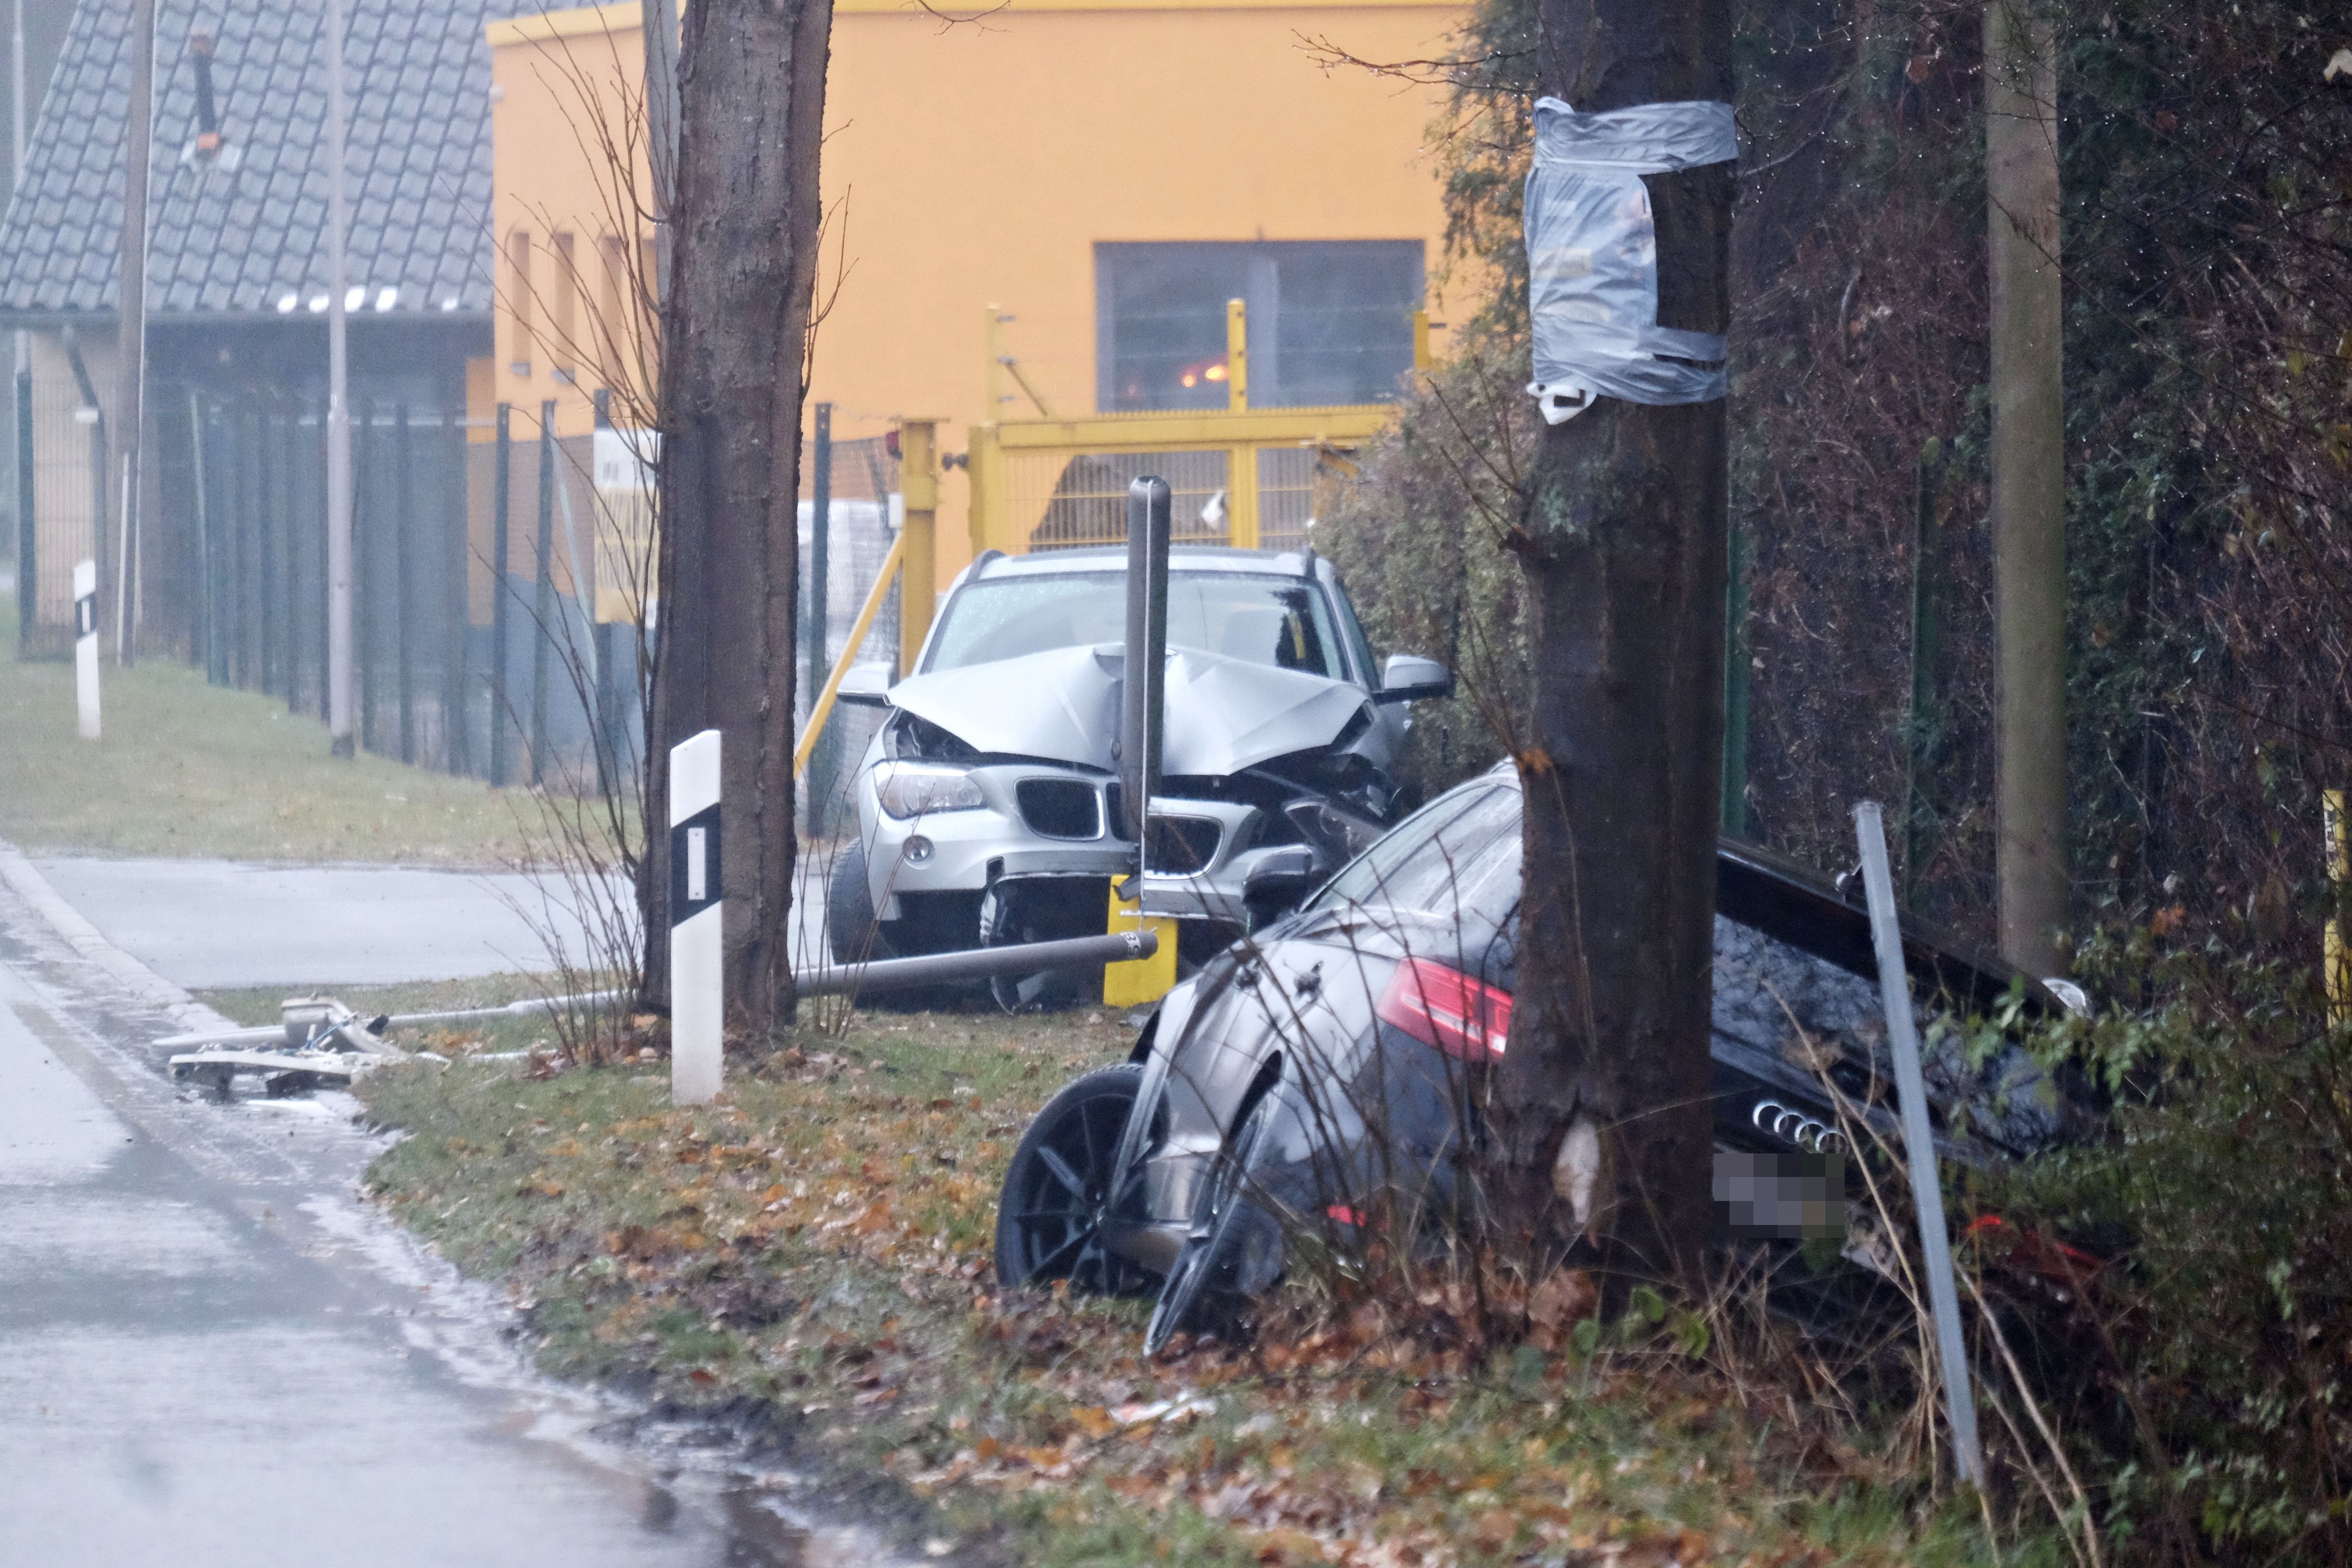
1244	477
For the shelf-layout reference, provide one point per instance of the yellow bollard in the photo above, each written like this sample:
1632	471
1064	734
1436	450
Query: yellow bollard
918	482
1237	355
1139	983
2335	964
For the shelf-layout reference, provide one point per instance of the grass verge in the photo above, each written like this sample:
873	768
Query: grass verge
188	769
817	1246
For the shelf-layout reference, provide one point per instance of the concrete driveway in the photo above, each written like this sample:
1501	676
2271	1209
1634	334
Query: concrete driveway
226	924
211	924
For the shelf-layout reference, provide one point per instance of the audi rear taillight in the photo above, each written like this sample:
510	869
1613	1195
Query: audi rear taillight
1448	1010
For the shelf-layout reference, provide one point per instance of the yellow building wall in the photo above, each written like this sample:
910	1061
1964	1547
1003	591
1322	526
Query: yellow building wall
975	163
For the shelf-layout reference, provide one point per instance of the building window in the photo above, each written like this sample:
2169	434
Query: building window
613	337
566	348
1330	322
523	346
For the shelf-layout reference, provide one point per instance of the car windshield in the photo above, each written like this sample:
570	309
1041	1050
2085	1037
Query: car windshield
1279	621
1456	859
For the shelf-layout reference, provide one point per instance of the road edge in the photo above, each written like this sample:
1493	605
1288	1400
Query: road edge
76	932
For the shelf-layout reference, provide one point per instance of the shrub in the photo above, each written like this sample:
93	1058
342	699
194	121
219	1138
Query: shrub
2224	1402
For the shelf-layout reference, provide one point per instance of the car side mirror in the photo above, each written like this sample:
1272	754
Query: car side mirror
1277	882
865	686
1408	678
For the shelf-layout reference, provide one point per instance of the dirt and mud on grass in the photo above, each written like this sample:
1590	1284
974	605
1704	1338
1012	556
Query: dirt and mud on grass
817	1247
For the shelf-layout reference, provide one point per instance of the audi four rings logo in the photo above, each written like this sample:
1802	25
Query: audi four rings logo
1795	1126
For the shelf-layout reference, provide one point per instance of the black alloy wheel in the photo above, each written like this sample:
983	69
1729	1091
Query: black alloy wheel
1057	1201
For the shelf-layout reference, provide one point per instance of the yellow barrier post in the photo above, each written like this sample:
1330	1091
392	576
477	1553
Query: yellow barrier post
983	469
995	363
1240	462
822	708
1138	982
2336	963
1237	355
1421	360
919	483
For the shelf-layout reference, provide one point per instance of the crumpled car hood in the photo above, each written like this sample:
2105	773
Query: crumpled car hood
1222	714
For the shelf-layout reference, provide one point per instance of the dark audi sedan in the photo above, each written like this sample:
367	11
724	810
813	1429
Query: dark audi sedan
1331	1067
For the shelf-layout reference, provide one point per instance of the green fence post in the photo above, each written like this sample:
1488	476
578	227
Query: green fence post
1733	811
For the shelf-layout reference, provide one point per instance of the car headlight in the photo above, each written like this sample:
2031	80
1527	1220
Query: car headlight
925	789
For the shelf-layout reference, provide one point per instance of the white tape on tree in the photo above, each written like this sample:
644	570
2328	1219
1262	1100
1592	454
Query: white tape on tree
85	584
698	976
1593	256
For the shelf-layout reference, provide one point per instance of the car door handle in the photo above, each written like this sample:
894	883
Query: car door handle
1308	982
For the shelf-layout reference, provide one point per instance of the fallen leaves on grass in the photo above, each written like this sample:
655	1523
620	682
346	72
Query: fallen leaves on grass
823	1242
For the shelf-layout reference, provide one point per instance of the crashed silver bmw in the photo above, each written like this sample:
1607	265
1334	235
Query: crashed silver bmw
988	803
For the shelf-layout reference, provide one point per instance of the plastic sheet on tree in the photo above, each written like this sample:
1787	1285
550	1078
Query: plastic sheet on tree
1593	256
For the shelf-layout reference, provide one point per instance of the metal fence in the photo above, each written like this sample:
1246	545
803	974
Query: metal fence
495	581
501	572
1245	476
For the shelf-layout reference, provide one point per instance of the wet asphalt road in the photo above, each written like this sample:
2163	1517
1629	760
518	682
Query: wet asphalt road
216	1354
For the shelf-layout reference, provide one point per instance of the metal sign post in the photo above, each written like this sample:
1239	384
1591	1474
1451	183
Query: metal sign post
697	977
1147	529
341	738
1927	1190
85	644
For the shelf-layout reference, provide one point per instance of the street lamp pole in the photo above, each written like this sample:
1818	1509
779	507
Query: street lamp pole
339	416
17	145
138	134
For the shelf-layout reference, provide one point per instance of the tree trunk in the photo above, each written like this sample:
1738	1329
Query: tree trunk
1623	548
2029	481
743	228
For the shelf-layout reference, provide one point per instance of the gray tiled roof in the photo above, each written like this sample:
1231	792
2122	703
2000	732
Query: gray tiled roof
241	241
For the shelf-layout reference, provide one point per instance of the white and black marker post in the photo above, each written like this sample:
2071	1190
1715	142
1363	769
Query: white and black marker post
698	979
86	645
1927	1190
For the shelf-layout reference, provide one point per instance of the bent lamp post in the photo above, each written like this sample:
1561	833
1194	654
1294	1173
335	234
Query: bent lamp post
698	996
1143	701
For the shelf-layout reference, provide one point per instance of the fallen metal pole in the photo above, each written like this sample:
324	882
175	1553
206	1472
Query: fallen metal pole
408	1020
976	963
1911	1089
826	980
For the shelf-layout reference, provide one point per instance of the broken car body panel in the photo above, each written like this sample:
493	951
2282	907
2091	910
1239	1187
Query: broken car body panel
1222	714
988	802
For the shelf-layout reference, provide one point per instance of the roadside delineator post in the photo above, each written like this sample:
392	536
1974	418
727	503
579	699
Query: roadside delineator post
86	645
919	483
1918	1144
698	983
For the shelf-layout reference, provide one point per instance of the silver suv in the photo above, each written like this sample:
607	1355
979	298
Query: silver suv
988	803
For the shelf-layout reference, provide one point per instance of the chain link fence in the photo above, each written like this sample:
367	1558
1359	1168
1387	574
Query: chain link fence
850	505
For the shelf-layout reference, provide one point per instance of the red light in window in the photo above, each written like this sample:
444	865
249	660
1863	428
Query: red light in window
1447	1010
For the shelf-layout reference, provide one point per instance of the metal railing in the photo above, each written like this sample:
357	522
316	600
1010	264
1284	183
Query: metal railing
1242	478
